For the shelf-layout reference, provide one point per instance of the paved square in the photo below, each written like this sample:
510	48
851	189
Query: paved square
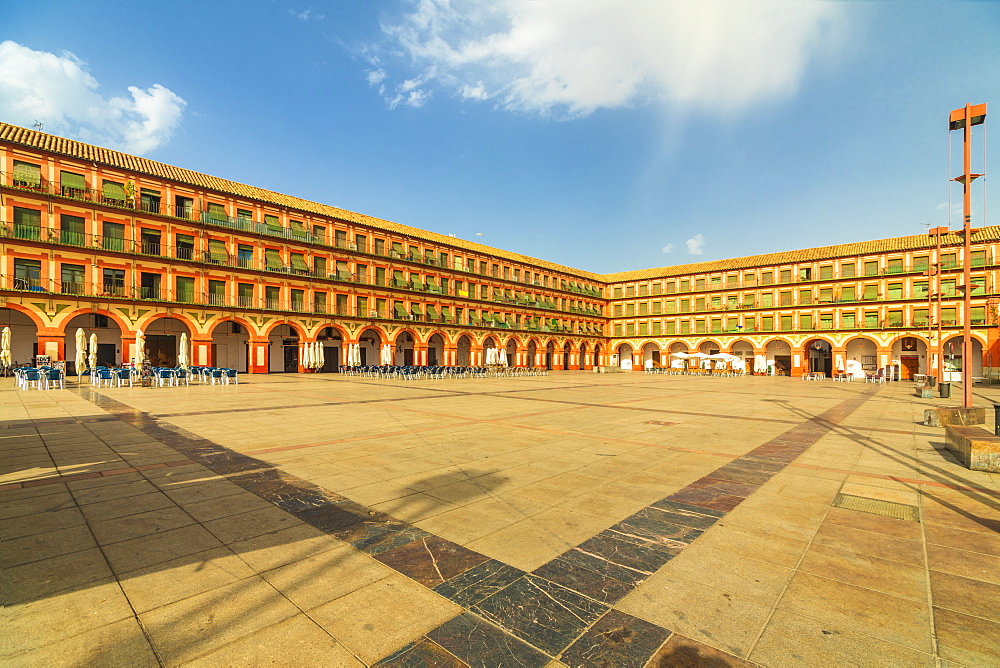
576	519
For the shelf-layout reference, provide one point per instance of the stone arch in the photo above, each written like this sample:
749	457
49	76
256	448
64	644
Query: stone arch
162	335
284	338
709	347
463	349
652	356
678	347
623	354
567	355
370	340
24	326
550	354
953	362
584	362
778	352
114	339
913	354
817	355
436	343
404	345
123	324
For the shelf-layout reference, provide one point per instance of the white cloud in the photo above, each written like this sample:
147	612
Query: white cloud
667	248
306	14
375	77
696	244
58	91
569	58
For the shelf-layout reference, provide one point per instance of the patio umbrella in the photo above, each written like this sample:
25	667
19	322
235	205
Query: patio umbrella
92	358
140	347
682	356
311	354
357	354
5	357
320	355
502	356
182	355
81	351
387	354
304	355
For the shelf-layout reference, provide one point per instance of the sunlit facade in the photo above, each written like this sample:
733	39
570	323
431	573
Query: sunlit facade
112	243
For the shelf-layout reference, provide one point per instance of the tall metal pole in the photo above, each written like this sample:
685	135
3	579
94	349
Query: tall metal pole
963	119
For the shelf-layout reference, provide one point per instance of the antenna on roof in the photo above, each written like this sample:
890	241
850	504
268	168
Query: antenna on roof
38	125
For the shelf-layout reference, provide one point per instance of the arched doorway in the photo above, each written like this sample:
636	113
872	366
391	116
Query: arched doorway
511	352
819	356
464	350
23	336
404	349
333	344
597	355
370	347
864	353
624	354
109	339
229	345
779	357
709	348
163	340
911	353
583	356
532	352
550	353
953	359
651	355
744	350
567	354
490	351
284	349
435	350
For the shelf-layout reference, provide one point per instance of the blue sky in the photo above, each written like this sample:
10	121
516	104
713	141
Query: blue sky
602	135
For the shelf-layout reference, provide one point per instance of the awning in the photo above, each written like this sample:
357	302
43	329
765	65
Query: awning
217	250
28	174
74	181
272	259
113	190
400	311
415	309
473	318
431	311
299	262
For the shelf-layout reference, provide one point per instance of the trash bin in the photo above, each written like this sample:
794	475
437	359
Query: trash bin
944	390
931	381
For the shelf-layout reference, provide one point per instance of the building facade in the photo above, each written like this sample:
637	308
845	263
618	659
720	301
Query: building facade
97	239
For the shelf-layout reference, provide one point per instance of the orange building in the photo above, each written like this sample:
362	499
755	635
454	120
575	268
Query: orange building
113	243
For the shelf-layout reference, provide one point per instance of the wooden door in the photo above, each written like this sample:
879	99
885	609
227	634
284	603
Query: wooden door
909	366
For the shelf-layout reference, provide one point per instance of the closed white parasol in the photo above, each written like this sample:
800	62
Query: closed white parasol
81	351
5	356
183	358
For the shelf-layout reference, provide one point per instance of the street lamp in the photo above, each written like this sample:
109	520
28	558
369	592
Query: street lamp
963	119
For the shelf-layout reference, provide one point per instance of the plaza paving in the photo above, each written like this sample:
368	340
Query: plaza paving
576	519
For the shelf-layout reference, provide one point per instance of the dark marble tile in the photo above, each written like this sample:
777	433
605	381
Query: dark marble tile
672	513
617	640
601	588
706	499
607	568
541	612
478	583
689	511
681	652
423	653
225	463
431	560
332	517
712	484
644	556
734	473
650	529
378	537
752	463
481	644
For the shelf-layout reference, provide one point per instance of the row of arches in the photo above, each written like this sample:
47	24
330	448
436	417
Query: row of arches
782	356
276	347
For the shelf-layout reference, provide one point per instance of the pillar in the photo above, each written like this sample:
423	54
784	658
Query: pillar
51	343
259	351
419	354
201	351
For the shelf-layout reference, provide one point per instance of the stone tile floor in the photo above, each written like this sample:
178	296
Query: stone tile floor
575	519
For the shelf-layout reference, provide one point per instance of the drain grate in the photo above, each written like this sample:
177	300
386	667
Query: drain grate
899	511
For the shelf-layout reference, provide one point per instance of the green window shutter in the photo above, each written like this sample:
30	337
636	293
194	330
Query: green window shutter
847	294
415	309
272	259
217	251
27	174
273	226
114	190
431	311
978	314
299	262
72	182
871	292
